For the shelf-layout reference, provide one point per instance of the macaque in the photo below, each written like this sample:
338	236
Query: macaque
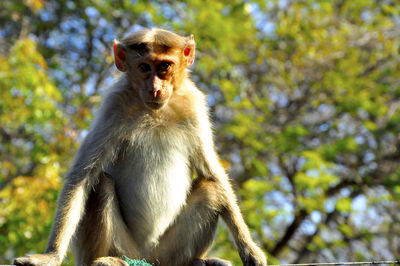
130	190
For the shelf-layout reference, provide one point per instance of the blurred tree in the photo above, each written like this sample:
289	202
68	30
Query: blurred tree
316	117
304	95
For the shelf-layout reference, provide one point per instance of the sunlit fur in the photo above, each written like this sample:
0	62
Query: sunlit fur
130	190
156	37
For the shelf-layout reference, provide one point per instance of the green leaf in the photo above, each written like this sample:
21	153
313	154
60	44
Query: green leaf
344	205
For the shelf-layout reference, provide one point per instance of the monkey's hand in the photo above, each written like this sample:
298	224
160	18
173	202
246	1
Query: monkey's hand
110	261
49	259
253	256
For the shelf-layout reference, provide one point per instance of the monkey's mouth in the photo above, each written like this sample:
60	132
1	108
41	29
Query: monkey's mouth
155	105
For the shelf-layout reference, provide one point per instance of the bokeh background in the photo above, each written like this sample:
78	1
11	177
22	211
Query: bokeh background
304	95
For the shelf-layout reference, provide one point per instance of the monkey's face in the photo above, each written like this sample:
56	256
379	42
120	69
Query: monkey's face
154	80
155	66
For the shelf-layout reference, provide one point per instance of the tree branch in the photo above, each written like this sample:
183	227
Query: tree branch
28	172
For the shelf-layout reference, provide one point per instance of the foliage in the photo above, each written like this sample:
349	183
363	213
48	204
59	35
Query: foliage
304	96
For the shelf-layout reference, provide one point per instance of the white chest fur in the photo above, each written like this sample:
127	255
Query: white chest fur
152	180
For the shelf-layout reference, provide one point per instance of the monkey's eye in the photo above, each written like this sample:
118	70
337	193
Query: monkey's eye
163	66
144	67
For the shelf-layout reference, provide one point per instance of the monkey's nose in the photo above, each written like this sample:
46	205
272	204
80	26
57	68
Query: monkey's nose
155	93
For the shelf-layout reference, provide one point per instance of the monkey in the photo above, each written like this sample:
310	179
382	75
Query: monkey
147	181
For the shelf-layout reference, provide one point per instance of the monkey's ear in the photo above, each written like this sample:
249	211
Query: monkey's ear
189	50
120	56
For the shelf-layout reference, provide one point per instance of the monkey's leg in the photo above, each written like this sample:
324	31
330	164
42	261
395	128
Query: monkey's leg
102	234
187	241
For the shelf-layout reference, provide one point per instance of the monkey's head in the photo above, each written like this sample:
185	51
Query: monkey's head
155	61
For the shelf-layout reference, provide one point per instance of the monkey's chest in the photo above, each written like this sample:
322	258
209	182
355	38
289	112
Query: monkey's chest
152	184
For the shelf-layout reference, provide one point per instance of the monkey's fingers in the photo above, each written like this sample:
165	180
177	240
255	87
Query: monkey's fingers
252	255
37	260
210	262
110	261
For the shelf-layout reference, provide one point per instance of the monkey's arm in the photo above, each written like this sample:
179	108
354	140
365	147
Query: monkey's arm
96	150
208	166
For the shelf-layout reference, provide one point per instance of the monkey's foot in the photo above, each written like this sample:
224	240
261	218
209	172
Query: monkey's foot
37	260
110	261
211	262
